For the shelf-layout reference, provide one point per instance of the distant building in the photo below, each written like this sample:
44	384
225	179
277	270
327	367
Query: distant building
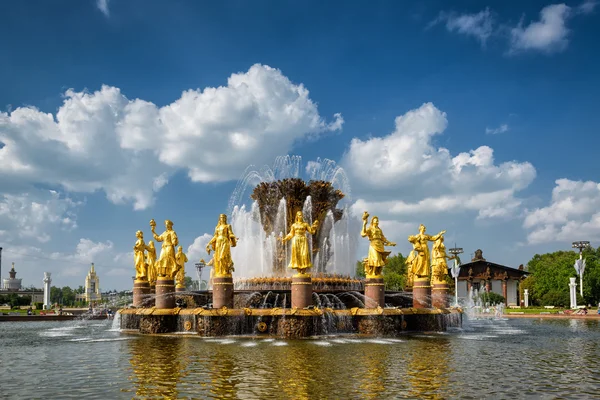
92	288
481	275
12	284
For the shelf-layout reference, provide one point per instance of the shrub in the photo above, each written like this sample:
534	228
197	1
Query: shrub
491	298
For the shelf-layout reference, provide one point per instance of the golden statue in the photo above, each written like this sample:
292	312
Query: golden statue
439	266
420	266
301	257
377	257
181	259
221	243
139	257
166	264
151	261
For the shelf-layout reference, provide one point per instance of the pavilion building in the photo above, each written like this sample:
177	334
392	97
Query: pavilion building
92	287
484	276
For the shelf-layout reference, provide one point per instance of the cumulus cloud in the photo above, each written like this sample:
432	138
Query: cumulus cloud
494	131
571	215
479	25
197	250
417	177
548	35
34	215
587	6
130	148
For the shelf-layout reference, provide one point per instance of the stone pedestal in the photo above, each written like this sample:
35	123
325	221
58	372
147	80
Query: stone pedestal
165	293
301	292
374	293
439	295
222	292
141	290
422	293
179	288
150	301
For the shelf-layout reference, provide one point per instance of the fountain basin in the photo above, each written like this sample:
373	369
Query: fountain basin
288	322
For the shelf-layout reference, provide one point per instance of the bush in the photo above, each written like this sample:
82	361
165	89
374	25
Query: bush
39	306
557	298
491	298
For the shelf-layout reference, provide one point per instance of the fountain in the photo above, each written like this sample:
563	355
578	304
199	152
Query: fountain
284	265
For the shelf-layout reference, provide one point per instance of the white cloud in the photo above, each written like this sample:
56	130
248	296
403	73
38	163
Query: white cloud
103	6
480	25
129	148
494	131
404	174
573	214
549	34
33	215
197	250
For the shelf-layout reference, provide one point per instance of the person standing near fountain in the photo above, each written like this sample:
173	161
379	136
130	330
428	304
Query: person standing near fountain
375	261
166	265
222	281
439	271
141	287
181	259
421	267
300	260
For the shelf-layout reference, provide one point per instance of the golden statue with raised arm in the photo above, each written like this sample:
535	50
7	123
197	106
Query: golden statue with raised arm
139	257
301	257
151	261
181	259
166	265
439	265
221	243
420	265
377	257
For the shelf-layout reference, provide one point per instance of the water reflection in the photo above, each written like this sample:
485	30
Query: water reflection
427	368
157	365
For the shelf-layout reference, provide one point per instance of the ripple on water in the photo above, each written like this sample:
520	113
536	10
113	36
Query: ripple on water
249	344
279	343
321	343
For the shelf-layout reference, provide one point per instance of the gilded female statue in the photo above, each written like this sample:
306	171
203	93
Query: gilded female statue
300	259
166	264
139	257
221	243
151	261
181	259
439	265
421	266
377	257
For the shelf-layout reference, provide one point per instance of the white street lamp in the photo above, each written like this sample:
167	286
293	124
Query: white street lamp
580	264
455	270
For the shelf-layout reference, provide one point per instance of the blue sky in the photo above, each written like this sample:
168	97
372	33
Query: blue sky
496	142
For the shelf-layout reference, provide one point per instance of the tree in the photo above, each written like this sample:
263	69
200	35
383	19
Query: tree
55	295
68	296
80	290
395	272
189	283
549	277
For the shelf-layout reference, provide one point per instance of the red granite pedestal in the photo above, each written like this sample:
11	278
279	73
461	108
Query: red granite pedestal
223	292
141	290
439	295
165	293
421	293
374	293
301	291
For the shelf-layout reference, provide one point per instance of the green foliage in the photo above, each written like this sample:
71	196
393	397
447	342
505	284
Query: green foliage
360	269
394	273
39	306
549	278
189	283
491	298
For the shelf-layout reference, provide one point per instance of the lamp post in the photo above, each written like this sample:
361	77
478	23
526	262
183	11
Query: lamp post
199	266
455	270
580	264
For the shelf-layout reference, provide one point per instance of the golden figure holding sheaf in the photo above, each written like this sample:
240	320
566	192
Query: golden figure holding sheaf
166	265
181	259
418	261
439	265
221	243
139	261
377	257
300	259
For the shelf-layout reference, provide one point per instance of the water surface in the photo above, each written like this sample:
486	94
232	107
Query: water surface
501	359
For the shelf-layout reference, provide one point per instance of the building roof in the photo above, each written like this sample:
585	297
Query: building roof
480	268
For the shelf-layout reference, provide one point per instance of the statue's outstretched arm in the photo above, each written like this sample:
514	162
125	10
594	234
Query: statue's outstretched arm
289	235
